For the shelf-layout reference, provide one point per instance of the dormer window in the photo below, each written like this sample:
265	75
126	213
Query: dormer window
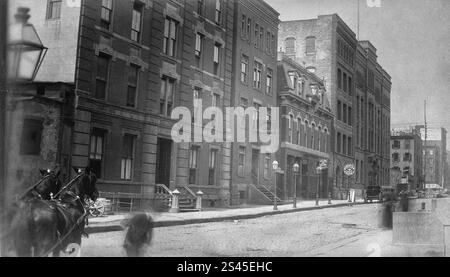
294	80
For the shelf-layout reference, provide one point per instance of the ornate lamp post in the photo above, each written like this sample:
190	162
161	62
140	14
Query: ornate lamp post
296	171
25	49
275	168
25	53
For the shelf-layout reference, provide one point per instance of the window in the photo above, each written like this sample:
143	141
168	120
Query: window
407	157
193	160
244	69
244	25
344	80
396	144
215	102
313	141
268	43
344	144
212	167
339	143
136	22
293	79
257	75
395	157
339	78
299	126
291	128
54	9
269	120
218	16
249	28
166	97
96	151
216	58
241	161
101	84
310	45
198	48
261	38
267	165
200	6
256	115
127	157
31	137
350	85
106	14
344	112
350	146
339	110
290	46
350	122
269	81
133	76
170	37
256	35
198	109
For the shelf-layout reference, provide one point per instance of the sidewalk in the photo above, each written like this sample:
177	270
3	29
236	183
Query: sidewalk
113	222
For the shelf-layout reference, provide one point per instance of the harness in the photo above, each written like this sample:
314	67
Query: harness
83	218
34	186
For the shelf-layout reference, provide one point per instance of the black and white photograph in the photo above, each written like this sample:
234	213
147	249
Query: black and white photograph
224	128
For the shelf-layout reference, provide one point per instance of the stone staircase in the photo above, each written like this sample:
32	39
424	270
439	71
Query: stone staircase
186	199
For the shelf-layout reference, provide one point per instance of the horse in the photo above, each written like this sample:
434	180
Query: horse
49	226
16	218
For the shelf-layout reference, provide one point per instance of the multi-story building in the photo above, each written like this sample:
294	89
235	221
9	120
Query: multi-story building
435	139
361	131
406	158
305	128
254	84
130	64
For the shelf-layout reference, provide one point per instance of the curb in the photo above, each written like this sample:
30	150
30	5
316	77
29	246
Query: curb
115	226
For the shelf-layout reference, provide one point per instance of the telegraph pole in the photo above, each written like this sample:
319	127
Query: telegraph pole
425	144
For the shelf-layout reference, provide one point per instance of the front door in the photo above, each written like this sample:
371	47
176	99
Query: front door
163	158
255	167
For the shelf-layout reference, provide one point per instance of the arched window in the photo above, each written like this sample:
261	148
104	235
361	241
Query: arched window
319	139
310	45
306	133
313	131
299	136
291	128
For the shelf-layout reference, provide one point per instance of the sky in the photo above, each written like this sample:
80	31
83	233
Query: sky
412	38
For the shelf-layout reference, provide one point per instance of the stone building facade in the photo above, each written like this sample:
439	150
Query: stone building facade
328	47
406	158
254	84
305	131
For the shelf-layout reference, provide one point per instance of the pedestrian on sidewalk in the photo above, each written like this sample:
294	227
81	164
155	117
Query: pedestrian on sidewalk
139	232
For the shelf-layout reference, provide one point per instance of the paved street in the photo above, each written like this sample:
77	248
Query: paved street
330	232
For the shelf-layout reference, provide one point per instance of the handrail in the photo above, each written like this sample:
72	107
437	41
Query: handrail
165	188
190	191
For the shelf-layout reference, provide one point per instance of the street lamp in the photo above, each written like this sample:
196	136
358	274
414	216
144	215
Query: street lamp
275	168
25	49
24	55
296	171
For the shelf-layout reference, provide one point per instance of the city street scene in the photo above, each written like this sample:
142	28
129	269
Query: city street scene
224	128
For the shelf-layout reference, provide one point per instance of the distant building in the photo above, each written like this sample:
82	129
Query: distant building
406	158
435	155
359	91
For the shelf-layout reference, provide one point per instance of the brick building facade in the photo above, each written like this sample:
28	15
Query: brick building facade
305	131
328	47
254	84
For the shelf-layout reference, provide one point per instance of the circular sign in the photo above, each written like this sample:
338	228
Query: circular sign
349	170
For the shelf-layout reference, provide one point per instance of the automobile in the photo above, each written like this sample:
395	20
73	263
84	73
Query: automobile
373	193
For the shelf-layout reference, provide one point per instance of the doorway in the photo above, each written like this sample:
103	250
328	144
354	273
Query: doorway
255	166
163	159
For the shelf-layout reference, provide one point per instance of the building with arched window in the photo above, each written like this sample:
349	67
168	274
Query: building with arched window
304	130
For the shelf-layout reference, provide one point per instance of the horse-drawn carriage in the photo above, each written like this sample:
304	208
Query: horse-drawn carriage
49	218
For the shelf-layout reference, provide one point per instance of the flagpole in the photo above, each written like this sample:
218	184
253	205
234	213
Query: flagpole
357	3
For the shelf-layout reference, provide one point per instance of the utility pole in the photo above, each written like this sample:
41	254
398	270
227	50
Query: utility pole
425	148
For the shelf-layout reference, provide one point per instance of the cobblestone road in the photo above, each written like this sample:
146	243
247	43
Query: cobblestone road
311	233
